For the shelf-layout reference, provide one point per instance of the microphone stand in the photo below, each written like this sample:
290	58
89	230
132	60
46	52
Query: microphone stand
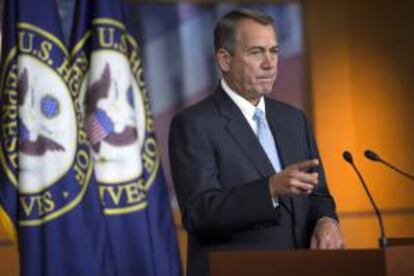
382	240
376	158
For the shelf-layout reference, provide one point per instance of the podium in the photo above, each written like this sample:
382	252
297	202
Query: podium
392	261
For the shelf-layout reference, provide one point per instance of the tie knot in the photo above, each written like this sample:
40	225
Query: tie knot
259	115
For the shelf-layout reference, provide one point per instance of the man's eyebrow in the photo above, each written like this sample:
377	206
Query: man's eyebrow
256	47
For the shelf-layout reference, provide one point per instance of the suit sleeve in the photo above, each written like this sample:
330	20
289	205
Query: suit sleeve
321	202
208	208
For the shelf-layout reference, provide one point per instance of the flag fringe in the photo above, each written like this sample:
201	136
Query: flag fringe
7	224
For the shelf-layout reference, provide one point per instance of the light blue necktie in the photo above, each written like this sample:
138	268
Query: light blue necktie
266	139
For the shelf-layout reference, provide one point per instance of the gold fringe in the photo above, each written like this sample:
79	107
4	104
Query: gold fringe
7	224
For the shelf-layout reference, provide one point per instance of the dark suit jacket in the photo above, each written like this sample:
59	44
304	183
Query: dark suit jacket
221	175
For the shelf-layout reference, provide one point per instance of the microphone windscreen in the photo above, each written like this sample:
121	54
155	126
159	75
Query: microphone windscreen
371	155
347	156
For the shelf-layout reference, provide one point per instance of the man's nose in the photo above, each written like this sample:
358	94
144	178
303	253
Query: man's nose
269	61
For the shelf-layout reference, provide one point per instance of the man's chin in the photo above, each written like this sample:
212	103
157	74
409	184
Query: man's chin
257	92
265	91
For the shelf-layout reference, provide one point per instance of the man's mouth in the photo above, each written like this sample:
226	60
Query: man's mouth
265	79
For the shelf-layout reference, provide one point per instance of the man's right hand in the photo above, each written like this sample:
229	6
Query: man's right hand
294	179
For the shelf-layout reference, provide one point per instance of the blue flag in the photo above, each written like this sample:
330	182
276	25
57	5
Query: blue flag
121	134
48	194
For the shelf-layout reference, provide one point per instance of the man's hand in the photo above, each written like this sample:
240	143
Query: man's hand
294	179
327	235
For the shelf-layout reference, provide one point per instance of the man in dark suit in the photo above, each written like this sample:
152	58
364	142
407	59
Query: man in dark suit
246	168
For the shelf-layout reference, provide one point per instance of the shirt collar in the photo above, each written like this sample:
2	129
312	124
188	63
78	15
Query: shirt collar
246	107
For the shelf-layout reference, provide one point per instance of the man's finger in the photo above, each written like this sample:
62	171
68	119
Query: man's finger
301	186
309	178
314	243
306	164
324	243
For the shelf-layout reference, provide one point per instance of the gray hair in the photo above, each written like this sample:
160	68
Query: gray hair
224	32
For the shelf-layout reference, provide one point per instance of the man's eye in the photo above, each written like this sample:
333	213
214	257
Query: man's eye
274	51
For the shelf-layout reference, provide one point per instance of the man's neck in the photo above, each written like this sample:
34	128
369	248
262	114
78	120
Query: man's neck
252	97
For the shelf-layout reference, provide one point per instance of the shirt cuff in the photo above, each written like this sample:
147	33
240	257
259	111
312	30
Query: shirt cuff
328	219
275	202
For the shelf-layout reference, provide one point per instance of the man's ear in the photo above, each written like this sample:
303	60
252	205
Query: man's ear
223	59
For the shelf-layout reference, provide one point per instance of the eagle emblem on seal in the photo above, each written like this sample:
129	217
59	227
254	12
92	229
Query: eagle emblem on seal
35	138
110	114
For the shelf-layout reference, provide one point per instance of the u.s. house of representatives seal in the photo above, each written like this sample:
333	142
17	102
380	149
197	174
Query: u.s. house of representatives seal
44	151
118	119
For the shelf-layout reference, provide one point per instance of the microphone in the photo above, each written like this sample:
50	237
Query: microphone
348	158
376	158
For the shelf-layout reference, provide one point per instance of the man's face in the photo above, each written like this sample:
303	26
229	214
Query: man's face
251	69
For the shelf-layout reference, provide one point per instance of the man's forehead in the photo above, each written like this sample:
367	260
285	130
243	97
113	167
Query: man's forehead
249	27
249	31
248	23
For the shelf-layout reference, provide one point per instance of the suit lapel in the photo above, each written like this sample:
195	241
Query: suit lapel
281	132
280	129
242	134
